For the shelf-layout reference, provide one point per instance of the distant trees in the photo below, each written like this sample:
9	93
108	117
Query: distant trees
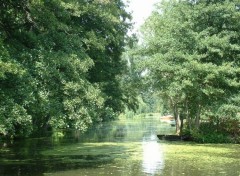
191	50
60	62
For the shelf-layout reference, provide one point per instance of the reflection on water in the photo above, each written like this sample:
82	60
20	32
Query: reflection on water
122	148
153	159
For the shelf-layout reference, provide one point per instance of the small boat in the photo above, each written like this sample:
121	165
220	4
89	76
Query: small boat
169	137
174	137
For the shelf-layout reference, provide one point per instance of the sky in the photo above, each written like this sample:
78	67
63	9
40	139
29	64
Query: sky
140	9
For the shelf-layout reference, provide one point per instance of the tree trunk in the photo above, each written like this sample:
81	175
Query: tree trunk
197	120
177	120
187	117
176	115
181	124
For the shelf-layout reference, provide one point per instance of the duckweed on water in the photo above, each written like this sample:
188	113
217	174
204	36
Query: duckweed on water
202	159
179	158
97	150
136	152
189	151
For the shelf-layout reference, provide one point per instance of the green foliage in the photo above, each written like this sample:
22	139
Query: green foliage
208	133
191	51
14	120
211	138
216	131
59	64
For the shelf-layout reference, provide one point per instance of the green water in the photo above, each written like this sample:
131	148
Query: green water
121	148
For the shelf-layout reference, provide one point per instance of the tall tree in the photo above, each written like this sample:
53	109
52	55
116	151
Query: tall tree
106	28
60	58
193	55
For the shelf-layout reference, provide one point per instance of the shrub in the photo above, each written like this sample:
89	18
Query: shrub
221	131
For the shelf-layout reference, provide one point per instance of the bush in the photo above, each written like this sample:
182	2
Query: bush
229	126
211	138
221	131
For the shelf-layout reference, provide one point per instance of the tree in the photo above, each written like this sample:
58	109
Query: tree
193	55
60	58
106	45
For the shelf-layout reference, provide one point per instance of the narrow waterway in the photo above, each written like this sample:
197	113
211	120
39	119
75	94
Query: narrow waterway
121	148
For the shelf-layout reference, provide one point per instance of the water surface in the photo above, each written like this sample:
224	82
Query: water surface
121	148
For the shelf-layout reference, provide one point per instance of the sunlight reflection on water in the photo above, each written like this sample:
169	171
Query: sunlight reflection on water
153	159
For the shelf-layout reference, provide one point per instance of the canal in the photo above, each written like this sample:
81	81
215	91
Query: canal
127	147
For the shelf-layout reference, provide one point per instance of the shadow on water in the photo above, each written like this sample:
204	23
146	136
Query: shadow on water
120	148
25	160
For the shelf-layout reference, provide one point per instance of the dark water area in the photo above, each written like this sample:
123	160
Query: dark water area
120	148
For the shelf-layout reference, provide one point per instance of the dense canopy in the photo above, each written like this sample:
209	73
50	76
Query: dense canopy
60	62
62	65
191	50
